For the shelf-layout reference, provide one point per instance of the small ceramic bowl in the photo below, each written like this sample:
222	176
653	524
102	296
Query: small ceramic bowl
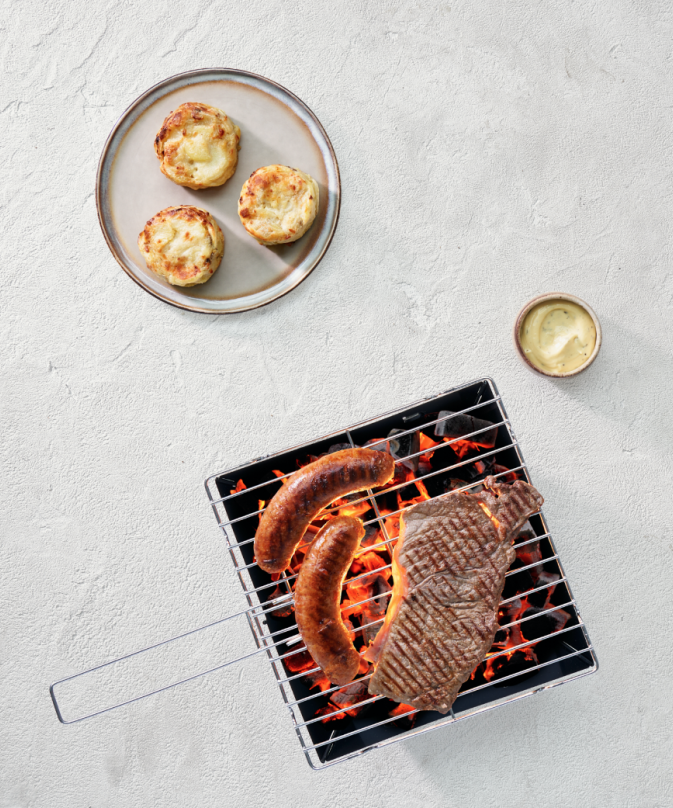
545	298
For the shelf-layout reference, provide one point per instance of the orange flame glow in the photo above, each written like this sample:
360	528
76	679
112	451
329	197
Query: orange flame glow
378	568
489	514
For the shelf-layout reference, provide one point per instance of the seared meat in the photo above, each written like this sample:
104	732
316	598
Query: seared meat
449	566
307	492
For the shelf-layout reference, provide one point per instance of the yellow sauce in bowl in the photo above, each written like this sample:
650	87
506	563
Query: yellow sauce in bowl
558	336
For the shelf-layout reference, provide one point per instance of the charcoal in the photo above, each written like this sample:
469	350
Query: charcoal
516	663
369	633
405	446
423	467
301	661
457	426
510	609
541	599
377	608
350	694
348	698
529	554
538	599
453	483
317	679
501	636
524	535
505	475
338	447
405	722
544	624
516	583
283	609
372	536
478	470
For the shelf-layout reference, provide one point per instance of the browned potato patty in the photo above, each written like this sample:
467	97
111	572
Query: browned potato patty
278	204
183	244
198	146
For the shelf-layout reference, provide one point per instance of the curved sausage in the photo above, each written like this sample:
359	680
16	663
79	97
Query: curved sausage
317	596
307	492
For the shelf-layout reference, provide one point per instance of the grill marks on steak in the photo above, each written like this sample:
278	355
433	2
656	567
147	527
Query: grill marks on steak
449	565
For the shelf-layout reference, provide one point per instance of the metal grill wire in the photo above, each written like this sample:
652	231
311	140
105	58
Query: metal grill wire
270	642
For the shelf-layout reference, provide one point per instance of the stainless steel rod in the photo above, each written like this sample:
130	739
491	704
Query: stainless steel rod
411	712
298	448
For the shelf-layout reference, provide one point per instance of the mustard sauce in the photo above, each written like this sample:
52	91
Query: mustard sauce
557	336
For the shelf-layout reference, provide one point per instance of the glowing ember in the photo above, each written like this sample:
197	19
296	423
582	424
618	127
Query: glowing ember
401	709
240	486
366	597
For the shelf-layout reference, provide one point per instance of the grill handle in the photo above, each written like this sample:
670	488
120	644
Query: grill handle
138	675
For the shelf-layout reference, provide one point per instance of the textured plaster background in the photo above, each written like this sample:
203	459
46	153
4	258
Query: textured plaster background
489	152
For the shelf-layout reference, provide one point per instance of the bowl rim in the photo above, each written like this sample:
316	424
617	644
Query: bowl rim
556	296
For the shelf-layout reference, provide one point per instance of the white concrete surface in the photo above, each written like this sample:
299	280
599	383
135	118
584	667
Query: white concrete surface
489	151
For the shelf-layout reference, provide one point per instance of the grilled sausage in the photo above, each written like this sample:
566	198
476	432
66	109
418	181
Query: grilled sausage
317	596
307	492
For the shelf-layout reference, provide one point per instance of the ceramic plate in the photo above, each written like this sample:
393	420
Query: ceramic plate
276	127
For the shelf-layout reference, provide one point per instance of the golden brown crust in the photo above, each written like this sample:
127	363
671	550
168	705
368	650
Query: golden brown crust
278	204
307	492
318	594
183	244
198	146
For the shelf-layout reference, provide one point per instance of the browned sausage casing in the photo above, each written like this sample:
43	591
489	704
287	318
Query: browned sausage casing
307	492
317	596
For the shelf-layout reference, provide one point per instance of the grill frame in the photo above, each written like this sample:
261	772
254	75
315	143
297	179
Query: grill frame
268	643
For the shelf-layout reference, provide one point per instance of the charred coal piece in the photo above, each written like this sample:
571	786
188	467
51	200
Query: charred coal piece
524	535
459	425
350	696
379	587
530	554
517	582
541	599
543	624
478	470
520	661
369	633
405	446
281	591
372	536
375	609
282	611
345	702
301	661
505	475
423	467
338	447
501	637
404	721
317	679
453	483
329	713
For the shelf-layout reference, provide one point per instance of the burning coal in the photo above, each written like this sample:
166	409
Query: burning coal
419	454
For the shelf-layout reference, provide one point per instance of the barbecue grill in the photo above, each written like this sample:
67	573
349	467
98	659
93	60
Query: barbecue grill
544	645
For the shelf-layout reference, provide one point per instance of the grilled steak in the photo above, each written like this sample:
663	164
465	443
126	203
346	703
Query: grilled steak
449	566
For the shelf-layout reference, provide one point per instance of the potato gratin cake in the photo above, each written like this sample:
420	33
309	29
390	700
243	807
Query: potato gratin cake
182	244
278	204
198	146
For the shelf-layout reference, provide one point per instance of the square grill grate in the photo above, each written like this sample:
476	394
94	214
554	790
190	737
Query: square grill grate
238	496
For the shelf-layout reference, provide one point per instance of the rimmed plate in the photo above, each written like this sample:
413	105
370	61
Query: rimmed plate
276	127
